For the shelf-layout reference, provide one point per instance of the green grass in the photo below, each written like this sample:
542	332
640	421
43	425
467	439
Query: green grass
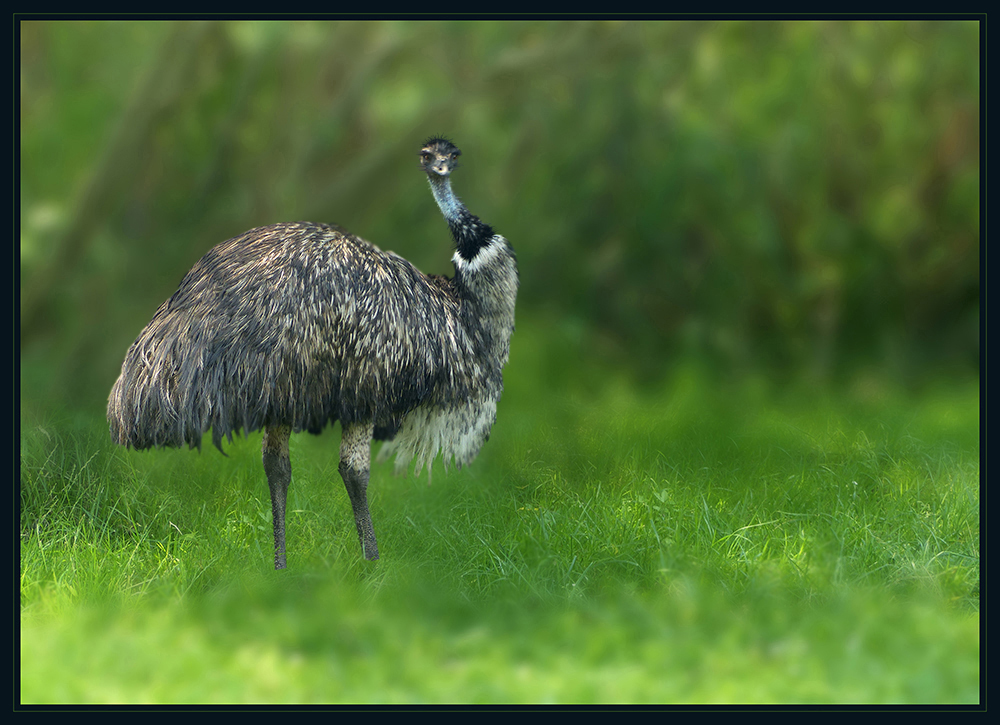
693	543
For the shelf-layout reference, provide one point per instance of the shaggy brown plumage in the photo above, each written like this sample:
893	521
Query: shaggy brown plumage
290	327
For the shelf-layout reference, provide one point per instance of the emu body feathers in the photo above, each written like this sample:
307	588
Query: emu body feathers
290	327
303	325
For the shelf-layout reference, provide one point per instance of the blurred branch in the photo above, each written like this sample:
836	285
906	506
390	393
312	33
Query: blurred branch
360	71
122	159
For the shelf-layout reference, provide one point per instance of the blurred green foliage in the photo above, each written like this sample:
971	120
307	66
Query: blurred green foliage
794	197
786	200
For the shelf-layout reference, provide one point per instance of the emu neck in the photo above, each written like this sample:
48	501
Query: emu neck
470	234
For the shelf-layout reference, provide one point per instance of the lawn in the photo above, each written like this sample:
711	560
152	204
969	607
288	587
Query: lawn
689	542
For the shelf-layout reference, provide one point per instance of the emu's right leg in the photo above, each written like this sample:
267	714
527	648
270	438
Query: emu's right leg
278	468
355	463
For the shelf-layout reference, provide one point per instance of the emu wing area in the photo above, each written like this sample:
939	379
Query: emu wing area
291	324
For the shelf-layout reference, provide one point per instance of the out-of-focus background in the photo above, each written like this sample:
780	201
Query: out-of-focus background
798	198
737	455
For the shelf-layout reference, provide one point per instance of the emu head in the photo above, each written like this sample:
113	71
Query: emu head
439	157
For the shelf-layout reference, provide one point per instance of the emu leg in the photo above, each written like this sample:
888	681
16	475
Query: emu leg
278	468
355	462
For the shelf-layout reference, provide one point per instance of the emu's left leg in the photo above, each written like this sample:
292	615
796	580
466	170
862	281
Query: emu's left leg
355	462
278	468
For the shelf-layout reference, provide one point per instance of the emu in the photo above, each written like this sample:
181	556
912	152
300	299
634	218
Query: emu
289	327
